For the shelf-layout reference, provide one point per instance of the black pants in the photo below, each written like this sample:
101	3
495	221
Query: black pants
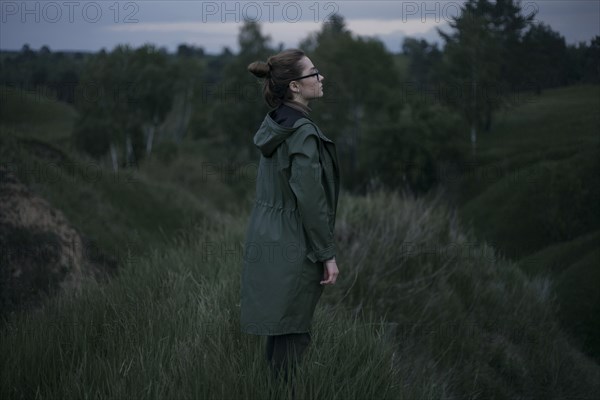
285	351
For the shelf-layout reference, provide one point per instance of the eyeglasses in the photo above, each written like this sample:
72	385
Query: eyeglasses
310	75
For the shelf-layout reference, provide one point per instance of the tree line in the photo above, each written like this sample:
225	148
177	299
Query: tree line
397	118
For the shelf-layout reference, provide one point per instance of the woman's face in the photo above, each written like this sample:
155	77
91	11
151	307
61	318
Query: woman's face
309	88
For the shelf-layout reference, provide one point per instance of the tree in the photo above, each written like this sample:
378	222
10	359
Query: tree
423	58
481	59
189	71
545	51
238	96
110	74
591	65
154	89
66	83
360	78
132	89
414	146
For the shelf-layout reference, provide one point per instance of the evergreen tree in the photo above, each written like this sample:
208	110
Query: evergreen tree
481	58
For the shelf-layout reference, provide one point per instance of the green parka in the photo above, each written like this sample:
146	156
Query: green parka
291	228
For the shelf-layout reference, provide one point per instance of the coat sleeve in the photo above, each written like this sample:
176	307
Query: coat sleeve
305	182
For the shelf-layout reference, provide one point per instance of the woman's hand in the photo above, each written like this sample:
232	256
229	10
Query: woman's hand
330	272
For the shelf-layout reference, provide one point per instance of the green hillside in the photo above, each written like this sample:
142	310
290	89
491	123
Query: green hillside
533	194
135	207
537	169
34	115
420	311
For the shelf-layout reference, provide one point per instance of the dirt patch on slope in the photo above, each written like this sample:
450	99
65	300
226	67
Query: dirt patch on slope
40	252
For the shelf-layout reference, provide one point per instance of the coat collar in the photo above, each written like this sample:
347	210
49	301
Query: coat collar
298	106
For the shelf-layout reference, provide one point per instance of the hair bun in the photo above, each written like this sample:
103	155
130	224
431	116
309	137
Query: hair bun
278	70
260	69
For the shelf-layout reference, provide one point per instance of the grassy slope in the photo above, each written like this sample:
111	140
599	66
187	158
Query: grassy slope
535	193
529	149
405	321
35	115
458	320
129	210
573	267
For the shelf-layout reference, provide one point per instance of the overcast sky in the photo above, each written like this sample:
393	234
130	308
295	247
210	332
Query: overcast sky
92	25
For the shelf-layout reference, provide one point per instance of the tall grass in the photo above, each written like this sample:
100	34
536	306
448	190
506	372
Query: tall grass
465	316
406	320
168	327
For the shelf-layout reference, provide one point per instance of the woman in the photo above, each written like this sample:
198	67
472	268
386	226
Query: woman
289	254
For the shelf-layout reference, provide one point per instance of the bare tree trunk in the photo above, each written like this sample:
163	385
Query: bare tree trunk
150	138
185	114
475	111
114	157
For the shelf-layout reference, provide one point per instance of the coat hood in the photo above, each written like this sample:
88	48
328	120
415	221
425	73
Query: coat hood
270	135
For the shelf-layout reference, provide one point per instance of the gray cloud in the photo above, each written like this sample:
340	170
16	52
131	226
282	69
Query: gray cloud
90	25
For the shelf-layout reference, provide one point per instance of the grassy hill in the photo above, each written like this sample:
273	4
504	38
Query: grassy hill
537	169
121	215
403	322
421	311
148	203
533	192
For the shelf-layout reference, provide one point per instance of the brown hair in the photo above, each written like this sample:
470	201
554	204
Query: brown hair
278	72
